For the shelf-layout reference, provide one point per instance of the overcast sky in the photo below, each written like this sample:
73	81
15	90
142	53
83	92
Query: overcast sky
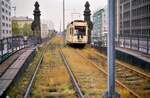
51	10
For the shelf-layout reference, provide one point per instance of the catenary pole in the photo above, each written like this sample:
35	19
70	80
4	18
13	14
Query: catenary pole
63	14
111	93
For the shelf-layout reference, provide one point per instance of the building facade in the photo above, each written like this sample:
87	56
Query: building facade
96	27
100	27
117	9
23	25
44	30
21	21
5	19
135	17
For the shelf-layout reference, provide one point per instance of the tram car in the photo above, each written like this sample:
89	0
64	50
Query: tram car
77	33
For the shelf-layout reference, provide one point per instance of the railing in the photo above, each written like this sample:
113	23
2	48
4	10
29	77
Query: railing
139	43
11	45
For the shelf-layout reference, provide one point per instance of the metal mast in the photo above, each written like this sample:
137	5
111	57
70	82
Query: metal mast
64	21
111	93
64	15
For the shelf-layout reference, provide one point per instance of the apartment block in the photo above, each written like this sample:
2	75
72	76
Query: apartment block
100	26
135	17
21	21
5	19
44	30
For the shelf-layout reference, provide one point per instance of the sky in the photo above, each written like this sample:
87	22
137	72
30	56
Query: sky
51	10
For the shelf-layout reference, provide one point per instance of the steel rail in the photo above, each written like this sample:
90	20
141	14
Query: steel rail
117	81
27	93
136	71
72	77
133	70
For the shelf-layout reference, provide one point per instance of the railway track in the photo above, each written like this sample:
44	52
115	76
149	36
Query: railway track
92	81
45	77
136	82
72	77
28	90
19	88
48	66
87	81
52	70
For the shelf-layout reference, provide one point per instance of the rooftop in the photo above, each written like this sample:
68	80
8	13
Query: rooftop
22	18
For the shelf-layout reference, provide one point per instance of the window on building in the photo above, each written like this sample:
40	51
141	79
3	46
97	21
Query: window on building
3	17
3	10
2	2
6	12
6	25
7	18
9	7
7	31
6	5
3	24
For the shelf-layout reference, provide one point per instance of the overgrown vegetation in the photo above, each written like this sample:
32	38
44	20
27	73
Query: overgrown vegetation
24	30
91	81
101	61
19	88
53	81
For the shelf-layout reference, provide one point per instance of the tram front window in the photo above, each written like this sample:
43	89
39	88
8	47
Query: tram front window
80	30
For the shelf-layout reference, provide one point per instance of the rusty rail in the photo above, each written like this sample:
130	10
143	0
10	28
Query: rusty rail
117	81
72	77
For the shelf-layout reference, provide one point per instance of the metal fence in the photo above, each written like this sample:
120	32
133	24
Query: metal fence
139	43
11	45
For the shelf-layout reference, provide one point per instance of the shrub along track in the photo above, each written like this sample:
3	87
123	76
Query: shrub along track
135	81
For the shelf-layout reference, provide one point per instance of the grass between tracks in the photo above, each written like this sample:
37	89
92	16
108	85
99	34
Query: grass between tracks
92	81
94	55
52	79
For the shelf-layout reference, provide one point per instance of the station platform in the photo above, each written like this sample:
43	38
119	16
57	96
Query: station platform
137	54
12	72
134	57
130	56
4	65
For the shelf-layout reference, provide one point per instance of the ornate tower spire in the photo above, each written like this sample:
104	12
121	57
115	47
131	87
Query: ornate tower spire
36	24
87	18
37	11
87	12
